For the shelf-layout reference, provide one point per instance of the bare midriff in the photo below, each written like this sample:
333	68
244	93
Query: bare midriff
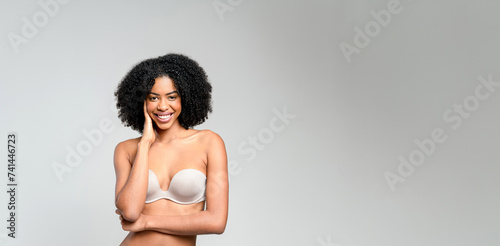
155	238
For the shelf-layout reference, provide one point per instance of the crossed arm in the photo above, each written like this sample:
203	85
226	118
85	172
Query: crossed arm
131	188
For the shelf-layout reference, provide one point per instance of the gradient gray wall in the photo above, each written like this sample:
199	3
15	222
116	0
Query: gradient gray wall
351	123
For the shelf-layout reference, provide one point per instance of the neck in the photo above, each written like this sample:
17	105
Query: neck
175	131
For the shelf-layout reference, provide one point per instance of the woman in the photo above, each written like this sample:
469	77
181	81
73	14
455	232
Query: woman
165	177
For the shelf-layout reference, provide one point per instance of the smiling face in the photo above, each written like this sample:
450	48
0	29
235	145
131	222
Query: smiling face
163	103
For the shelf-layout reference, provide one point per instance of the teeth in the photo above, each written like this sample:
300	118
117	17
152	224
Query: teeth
164	117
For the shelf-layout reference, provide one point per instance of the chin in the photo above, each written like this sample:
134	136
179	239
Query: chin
163	126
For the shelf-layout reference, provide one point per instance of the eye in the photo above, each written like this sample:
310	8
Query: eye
153	98
171	98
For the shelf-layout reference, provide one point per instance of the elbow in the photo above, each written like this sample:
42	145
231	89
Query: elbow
219	228
130	216
129	213
217	223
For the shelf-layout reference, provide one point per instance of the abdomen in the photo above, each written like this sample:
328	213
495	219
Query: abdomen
154	238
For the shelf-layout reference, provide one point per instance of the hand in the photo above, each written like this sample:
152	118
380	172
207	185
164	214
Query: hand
148	134
136	226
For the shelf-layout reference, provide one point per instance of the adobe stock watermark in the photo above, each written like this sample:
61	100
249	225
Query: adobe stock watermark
258	142
223	6
373	28
30	27
327	242
454	117
74	155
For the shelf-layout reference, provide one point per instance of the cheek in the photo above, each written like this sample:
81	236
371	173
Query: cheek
150	106
178	106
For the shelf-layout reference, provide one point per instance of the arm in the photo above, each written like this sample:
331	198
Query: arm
132	178
131	181
213	219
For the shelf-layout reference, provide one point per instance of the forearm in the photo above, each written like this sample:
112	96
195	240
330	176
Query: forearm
195	224
131	199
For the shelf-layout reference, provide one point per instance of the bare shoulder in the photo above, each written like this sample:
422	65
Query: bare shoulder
209	137
127	147
128	143
215	150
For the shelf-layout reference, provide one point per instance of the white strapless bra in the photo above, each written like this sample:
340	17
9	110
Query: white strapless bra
186	187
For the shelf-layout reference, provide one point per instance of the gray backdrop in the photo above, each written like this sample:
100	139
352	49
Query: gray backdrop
352	123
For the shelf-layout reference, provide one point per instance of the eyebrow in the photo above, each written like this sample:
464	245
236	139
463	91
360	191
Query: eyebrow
172	92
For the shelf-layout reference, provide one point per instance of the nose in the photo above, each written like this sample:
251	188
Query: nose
162	106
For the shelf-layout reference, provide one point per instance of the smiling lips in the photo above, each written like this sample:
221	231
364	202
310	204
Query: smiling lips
164	117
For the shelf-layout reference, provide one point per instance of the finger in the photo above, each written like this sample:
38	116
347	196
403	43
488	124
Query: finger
146	110
124	226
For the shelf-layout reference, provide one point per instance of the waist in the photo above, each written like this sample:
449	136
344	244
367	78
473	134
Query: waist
154	238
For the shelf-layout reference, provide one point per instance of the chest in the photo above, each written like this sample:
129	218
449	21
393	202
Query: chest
170	157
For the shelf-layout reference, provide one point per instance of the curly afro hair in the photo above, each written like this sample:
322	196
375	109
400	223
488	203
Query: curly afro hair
189	80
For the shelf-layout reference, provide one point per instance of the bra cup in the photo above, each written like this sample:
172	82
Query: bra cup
187	185
154	189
